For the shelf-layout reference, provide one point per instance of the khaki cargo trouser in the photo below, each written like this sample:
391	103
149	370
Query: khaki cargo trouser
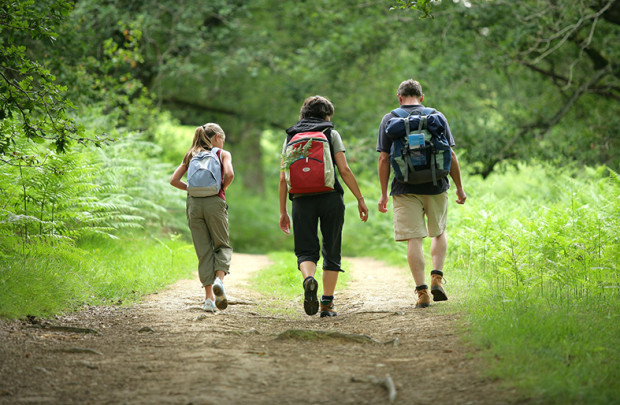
208	221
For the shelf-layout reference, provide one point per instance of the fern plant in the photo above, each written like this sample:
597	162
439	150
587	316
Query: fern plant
295	153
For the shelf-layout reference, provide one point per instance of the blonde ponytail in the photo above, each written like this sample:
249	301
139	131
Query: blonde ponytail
202	140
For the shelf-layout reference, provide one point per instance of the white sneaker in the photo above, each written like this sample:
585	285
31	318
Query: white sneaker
208	306
220	296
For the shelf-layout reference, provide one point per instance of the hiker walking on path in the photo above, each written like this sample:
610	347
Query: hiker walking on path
417	198
209	173
311	152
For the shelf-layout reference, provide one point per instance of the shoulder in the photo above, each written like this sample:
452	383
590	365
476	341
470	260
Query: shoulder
436	111
387	117
336	141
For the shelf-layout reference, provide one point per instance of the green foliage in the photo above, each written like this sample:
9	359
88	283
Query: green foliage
32	105
253	221
423	6
77	194
534	252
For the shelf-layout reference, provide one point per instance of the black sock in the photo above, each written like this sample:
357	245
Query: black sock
327	298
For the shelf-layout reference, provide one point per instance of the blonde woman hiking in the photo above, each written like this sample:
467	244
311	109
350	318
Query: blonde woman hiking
209	173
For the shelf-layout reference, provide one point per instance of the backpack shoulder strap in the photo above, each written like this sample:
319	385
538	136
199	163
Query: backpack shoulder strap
428	111
400	112
217	152
328	135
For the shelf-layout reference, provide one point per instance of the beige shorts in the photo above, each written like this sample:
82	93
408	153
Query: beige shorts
409	213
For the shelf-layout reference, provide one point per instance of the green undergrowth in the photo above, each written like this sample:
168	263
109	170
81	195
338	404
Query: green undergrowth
533	257
281	284
44	280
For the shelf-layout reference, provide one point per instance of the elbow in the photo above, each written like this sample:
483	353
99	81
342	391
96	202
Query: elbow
384	159
345	172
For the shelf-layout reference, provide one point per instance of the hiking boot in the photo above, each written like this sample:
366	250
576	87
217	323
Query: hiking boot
208	306
311	302
424	298
220	296
439	294
327	308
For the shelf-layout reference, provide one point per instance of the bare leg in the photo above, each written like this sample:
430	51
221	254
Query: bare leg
209	292
307	268
439	247
415	257
330	278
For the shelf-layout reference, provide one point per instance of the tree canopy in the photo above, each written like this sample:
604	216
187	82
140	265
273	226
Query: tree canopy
517	81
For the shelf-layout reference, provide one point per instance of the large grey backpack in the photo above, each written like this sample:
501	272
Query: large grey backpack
204	174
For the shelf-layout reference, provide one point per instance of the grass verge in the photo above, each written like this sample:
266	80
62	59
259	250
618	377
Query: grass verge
48	280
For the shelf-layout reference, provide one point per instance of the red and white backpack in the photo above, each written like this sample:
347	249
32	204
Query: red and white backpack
308	163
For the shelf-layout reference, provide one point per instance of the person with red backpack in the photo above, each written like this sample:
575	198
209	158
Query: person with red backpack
420	185
312	151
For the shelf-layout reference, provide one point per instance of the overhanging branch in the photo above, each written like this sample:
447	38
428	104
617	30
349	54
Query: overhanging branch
543	127
223	111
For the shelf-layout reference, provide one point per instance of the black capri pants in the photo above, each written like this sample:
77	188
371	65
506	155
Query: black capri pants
326	210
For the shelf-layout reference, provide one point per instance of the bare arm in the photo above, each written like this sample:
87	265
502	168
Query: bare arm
175	180
384	177
455	173
349	179
285	220
228	174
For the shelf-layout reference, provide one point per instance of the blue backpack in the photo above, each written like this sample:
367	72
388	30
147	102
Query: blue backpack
204	174
420	152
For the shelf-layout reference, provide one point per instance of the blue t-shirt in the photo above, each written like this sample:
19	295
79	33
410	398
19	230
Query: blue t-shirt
384	143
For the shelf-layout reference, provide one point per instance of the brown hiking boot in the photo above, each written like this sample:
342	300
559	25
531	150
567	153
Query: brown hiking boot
424	298
439	294
327	308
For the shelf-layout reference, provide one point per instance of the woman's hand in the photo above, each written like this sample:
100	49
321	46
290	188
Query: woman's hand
285	223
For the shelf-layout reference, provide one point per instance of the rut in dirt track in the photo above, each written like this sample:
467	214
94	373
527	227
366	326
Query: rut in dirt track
167	351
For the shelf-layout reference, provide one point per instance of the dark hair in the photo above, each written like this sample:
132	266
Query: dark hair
410	88
316	107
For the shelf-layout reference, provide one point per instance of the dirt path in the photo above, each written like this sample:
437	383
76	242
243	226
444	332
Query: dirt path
167	351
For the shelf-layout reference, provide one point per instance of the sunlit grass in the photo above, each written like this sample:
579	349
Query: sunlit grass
56	279
281	284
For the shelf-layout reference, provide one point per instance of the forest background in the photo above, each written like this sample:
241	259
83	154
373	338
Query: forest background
99	101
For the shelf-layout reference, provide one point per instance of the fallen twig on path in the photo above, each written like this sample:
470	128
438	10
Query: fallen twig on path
379	312
386	382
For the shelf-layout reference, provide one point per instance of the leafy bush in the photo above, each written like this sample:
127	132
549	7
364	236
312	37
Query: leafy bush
534	254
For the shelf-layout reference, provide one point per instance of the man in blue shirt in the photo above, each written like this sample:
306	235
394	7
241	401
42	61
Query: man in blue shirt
420	210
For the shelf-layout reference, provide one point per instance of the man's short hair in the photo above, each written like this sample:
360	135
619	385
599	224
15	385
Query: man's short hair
317	107
410	88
